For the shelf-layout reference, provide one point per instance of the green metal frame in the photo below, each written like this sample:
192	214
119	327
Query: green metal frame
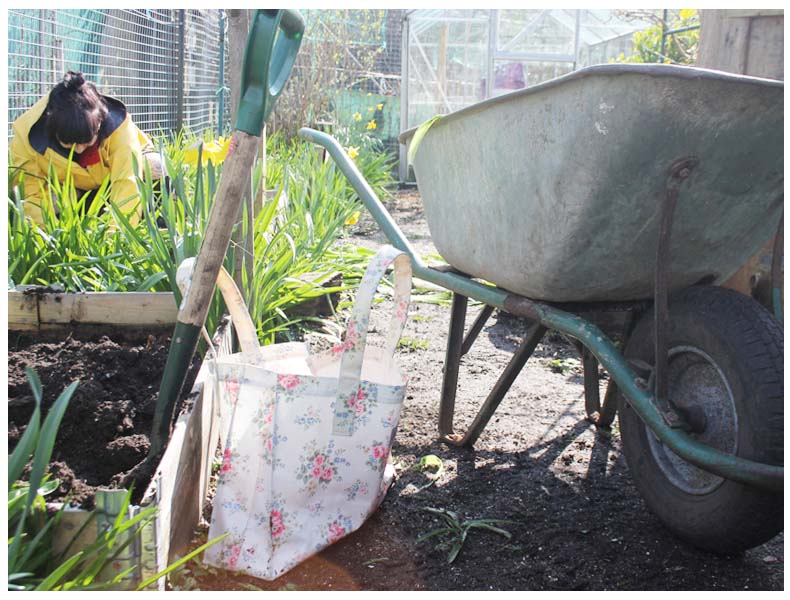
706	457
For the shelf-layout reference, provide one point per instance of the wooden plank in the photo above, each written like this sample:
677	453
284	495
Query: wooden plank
766	47
28	311
22	311
754	12
750	42
723	42
182	478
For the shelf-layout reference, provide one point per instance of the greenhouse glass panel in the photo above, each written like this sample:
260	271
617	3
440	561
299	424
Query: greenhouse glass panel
448	61
537	31
512	75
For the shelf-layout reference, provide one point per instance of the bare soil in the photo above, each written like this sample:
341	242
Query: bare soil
561	487
105	429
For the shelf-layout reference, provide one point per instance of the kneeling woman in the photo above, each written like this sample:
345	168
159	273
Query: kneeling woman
96	131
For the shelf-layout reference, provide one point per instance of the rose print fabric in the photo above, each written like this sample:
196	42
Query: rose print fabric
307	445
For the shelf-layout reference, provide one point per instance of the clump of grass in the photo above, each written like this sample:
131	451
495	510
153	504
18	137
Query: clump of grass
412	344
455	531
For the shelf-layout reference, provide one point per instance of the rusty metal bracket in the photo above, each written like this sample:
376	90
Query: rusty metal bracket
679	171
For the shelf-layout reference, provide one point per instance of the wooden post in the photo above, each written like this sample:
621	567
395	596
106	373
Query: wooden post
441	63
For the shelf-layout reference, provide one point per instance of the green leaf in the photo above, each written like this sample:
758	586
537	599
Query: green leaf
49	431
24	448
434	533
180	562
488	526
432	463
53	578
416	140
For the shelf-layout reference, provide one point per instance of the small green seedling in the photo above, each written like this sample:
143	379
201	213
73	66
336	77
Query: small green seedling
432	467
560	365
413	344
455	531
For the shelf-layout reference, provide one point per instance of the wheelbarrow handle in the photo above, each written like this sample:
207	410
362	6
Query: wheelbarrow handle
268	60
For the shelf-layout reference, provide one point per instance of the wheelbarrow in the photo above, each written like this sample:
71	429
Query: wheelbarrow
606	205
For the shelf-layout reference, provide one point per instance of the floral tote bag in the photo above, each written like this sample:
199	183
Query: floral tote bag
306	454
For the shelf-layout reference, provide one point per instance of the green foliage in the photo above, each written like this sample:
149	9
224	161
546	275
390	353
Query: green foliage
412	344
454	531
679	48
95	250
78	249
28	545
32	563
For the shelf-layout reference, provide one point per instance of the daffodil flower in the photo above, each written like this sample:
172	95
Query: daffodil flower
352	220
357	117
353	152
371	124
379	106
371	109
215	151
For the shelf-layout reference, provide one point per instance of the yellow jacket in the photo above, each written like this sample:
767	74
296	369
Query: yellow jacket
119	140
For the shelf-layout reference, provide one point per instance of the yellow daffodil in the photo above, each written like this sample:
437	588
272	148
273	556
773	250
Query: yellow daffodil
357	117
371	124
215	151
352	220
379	106
353	152
371	109
687	13
370	94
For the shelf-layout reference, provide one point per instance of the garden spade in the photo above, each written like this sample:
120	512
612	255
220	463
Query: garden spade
272	45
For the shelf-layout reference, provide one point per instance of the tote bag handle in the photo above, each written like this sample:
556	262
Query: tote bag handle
353	347
242	322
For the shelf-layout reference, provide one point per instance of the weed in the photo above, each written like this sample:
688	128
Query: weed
412	344
561	365
432	467
455	531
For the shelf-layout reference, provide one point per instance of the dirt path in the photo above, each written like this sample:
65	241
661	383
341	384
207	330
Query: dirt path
575	519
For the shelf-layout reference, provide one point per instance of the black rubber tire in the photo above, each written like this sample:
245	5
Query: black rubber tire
747	345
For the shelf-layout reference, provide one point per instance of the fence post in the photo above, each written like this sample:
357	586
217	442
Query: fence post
180	76
221	104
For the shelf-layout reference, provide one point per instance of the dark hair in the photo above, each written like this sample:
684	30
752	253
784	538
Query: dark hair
75	110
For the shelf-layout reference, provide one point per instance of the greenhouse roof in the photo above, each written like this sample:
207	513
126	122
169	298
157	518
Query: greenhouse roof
596	26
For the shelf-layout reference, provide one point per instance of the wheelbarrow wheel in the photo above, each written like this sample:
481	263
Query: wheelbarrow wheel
725	376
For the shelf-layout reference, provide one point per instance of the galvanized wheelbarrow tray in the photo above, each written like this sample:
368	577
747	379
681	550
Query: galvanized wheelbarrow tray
603	205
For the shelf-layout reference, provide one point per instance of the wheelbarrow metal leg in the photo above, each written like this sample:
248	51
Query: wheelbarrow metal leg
503	384
476	328
452	363
592	394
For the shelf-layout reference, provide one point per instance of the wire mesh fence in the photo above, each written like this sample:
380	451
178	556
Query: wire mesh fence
347	73
163	64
